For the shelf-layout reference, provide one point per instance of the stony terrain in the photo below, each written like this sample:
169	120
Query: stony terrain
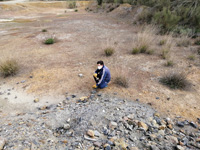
97	121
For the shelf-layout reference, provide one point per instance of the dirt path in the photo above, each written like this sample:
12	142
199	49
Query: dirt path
82	36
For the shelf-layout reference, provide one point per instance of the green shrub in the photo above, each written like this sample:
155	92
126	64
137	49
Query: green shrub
72	5
121	81
135	51
44	30
191	57
76	10
175	81
197	42
143	48
166	19
49	41
169	63
9	68
109	51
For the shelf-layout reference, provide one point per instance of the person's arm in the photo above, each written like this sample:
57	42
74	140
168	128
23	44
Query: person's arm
102	77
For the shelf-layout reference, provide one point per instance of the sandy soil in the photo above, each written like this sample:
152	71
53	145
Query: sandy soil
81	38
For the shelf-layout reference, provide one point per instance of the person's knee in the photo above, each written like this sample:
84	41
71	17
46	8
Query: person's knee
101	86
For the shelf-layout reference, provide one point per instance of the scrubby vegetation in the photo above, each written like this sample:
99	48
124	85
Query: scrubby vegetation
44	30
49	41
182	17
197	42
169	63
109	51
175	81
72	5
9	68
121	81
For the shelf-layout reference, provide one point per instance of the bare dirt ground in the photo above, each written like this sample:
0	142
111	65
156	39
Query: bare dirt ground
82	36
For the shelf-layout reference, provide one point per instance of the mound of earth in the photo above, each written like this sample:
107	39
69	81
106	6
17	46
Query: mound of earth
96	122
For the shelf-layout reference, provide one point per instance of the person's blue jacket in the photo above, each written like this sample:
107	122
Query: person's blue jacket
104	77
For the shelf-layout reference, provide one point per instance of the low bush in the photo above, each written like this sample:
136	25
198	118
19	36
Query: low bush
169	63
109	51
76	10
9	68
72	5
49	41
175	81
121	81
135	51
44	30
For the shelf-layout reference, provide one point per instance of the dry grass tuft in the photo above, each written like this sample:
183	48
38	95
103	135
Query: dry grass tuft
109	51
184	41
9	67
175	81
121	81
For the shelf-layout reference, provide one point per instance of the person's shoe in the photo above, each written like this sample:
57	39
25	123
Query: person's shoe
94	86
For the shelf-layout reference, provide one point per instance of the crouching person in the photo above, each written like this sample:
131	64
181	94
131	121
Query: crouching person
101	76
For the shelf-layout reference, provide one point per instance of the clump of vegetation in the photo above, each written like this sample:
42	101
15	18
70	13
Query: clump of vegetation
175	81
140	49
72	5
9	68
178	16
44	30
49	41
191	57
76	10
162	42
165	53
197	42
169	63
109	51
121	81
144	40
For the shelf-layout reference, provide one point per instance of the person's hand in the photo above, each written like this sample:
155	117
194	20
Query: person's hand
94	86
95	75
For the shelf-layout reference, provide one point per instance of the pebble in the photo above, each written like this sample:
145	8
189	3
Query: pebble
193	124
178	147
142	125
97	144
80	75
180	124
90	133
36	100
112	125
66	126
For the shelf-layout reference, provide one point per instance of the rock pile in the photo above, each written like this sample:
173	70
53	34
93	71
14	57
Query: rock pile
97	122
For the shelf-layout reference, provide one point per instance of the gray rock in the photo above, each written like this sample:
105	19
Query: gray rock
180	124
96	133
193	124
66	126
97	144
90	139
178	147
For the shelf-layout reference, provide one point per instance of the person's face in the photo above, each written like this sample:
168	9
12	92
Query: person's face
99	66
